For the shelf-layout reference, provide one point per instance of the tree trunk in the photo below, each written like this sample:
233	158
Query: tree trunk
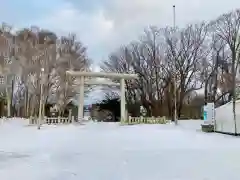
179	110
28	106
8	95
25	102
12	94
43	110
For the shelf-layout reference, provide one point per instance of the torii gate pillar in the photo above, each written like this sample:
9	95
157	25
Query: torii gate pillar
123	100
81	99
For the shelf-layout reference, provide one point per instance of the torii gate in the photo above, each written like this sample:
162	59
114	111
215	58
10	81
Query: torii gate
82	76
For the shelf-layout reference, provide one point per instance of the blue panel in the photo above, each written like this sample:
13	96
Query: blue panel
205	115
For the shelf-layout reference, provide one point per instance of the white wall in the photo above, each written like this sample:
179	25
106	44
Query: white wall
224	118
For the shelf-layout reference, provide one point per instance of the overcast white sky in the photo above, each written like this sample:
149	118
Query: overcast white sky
104	25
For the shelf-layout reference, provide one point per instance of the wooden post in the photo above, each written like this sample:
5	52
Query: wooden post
58	119
70	115
30	120
73	119
45	120
141	119
129	119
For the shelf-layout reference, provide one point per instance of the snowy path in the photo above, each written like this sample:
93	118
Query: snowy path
111	152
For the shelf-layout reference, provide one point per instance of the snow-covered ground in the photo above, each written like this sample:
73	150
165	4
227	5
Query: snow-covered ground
107	151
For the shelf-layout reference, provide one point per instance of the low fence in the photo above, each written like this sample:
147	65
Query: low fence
145	120
52	120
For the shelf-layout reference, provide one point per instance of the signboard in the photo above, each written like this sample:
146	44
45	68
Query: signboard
209	113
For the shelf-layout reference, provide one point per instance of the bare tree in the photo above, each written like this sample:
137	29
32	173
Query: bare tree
35	49
8	65
185	51
144	57
227	27
71	56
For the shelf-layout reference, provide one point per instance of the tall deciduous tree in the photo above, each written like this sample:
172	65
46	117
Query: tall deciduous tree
198	56
36	49
227	27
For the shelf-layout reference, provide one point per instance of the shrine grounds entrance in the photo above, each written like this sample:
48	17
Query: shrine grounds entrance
83	82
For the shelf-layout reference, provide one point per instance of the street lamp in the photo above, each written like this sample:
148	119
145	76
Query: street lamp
175	69
41	94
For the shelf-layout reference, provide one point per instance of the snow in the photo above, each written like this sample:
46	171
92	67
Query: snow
108	151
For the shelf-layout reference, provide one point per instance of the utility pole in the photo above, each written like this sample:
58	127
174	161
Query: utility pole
175	71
